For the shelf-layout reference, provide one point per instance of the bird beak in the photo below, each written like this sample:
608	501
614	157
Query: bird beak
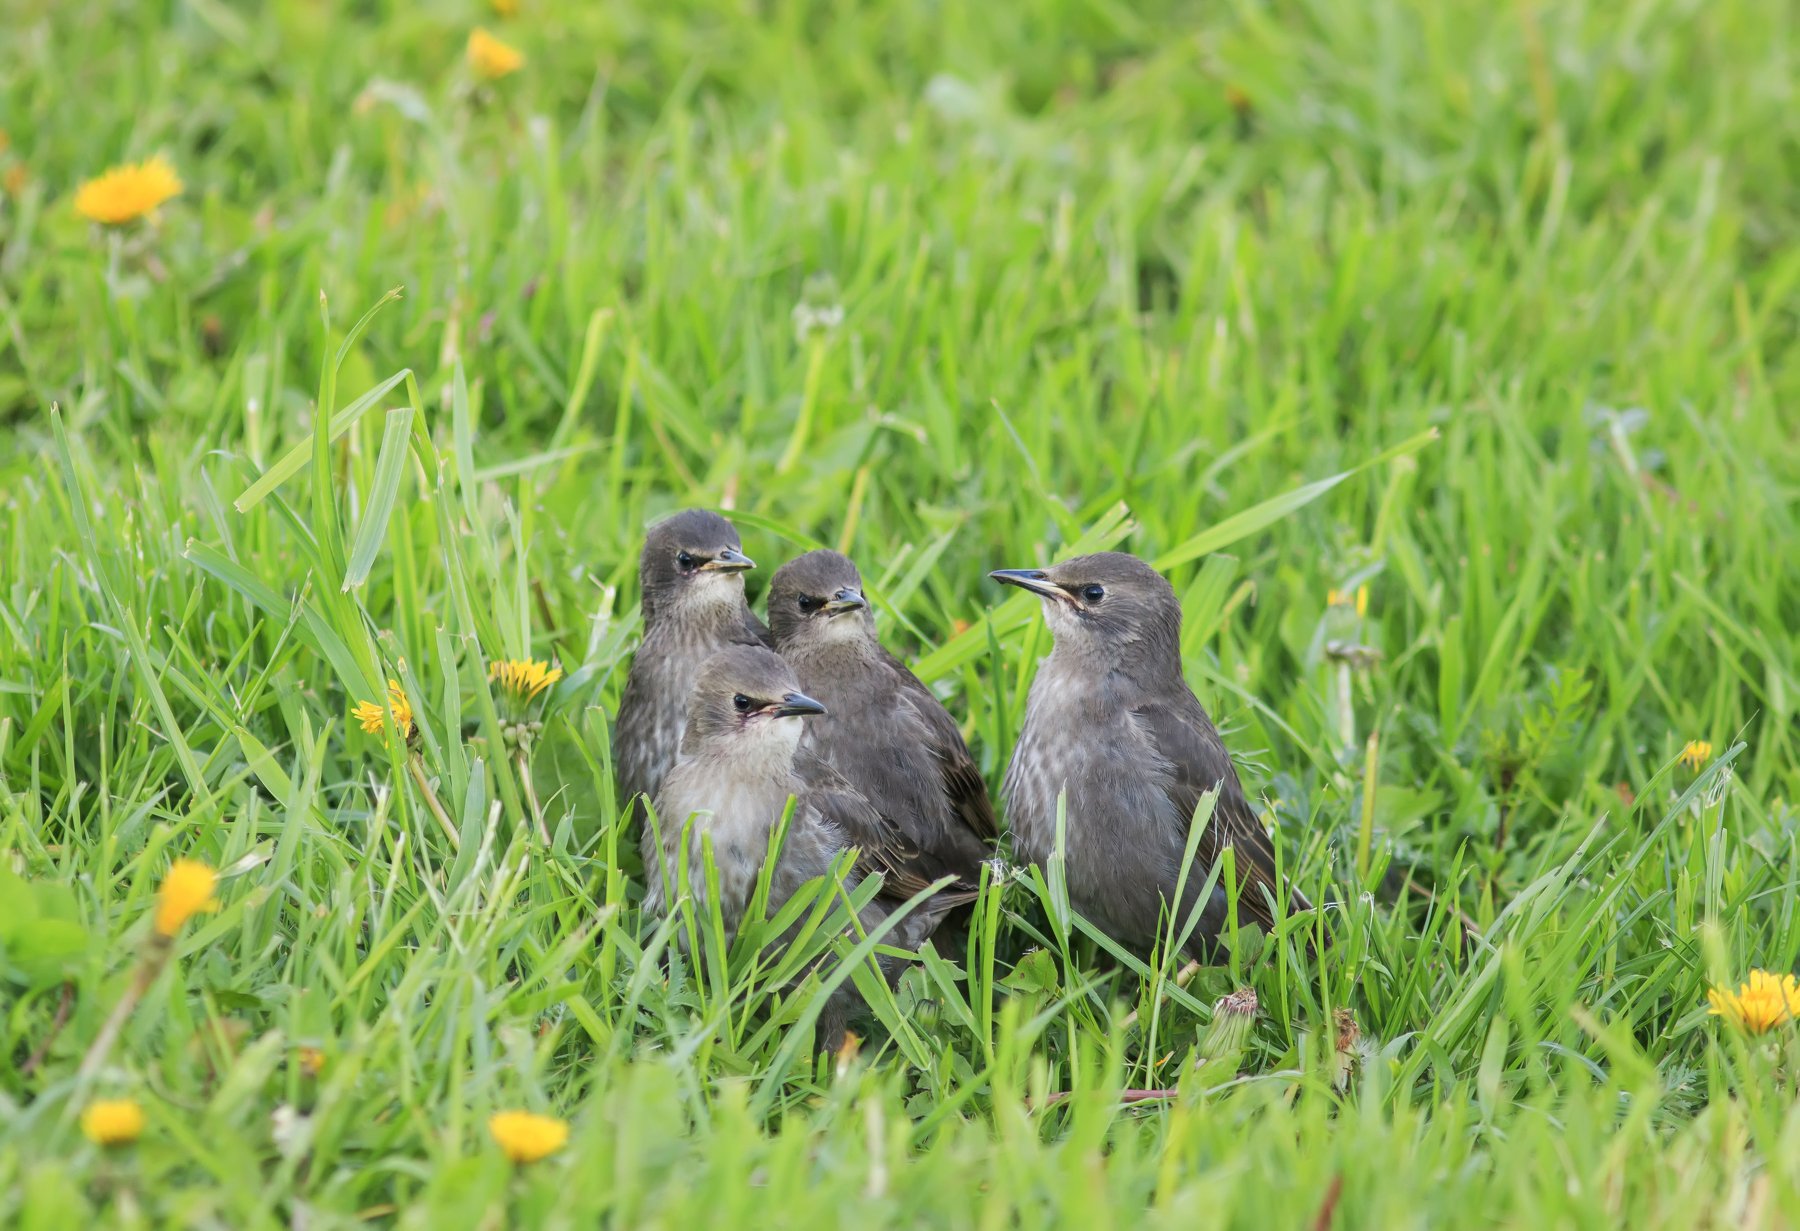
1036	580
846	600
796	705
731	560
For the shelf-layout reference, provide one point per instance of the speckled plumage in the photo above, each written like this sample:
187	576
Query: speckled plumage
740	762
1112	724
689	615
735	796
888	735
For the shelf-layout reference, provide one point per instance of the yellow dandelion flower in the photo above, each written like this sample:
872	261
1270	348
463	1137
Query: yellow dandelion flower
1697	753
369	713
185	892
312	1061
524	678
505	8
112	1122
1766	1001
491	58
1343	598
127	192
526	1136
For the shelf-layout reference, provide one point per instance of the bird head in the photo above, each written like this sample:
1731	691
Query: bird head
746	700
1103	604
817	598
692	561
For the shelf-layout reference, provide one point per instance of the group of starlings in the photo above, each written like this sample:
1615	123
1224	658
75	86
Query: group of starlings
724	719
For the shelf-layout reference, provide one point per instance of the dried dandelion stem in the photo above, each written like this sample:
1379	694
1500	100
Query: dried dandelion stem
187	890
156	956
65	1002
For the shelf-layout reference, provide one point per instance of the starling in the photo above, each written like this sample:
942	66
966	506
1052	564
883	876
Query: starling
691	580
1112	724
738	768
888	735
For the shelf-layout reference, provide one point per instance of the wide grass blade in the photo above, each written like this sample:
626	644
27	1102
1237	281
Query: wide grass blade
390	466
297	458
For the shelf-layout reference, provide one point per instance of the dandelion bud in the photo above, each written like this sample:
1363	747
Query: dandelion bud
927	1014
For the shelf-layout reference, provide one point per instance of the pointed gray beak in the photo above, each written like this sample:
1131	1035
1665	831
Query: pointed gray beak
796	705
731	560
1033	579
846	600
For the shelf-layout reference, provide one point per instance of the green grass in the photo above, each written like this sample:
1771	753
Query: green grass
1139	274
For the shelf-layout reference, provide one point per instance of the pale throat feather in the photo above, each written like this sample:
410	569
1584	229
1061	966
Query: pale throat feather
715	598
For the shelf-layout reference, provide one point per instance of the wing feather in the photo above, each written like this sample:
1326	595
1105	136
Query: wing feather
961	777
1197	763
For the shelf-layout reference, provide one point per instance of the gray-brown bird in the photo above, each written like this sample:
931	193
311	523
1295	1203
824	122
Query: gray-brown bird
691	577
738	768
888	735
1112	723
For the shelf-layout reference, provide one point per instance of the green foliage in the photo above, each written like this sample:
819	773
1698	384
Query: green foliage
40	931
1487	309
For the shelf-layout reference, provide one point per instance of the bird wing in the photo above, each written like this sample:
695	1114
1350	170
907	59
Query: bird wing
1197	762
881	848
962	779
632	739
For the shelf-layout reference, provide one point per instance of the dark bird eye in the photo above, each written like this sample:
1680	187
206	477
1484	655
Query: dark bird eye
1093	594
741	703
810	604
686	561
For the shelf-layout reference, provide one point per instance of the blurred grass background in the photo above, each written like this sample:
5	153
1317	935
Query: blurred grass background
952	286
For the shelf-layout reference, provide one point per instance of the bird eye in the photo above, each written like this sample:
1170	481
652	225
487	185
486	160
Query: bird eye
809	604
685	560
741	703
1093	594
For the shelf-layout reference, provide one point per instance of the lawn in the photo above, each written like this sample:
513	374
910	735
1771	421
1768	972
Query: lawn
1437	351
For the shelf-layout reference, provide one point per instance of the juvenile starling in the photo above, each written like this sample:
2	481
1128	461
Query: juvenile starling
691	580
888	735
737	770
1111	722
